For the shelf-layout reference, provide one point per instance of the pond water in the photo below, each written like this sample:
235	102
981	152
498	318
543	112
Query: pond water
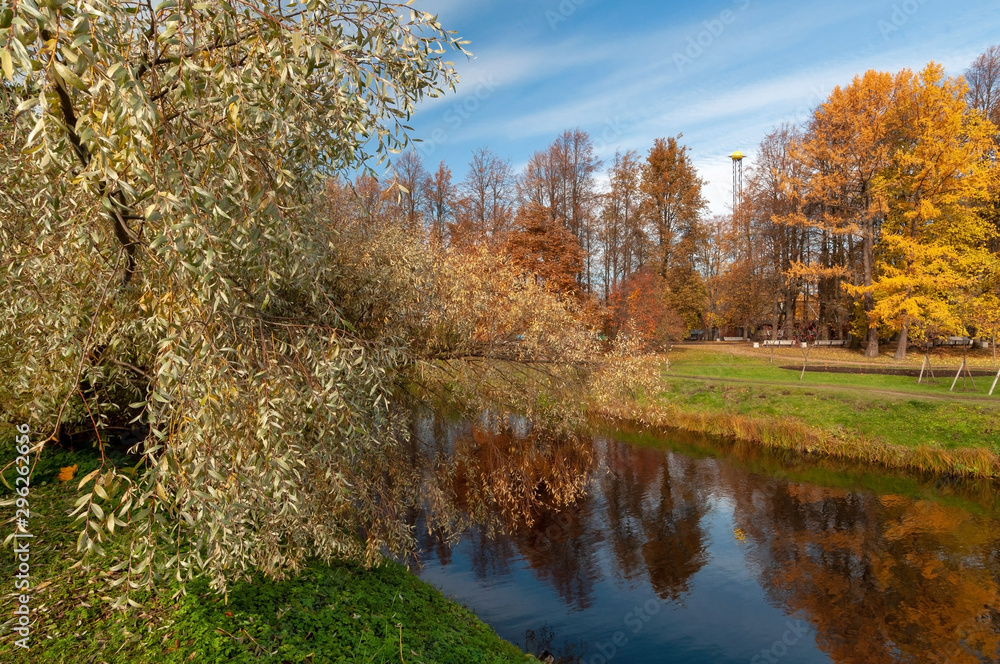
640	548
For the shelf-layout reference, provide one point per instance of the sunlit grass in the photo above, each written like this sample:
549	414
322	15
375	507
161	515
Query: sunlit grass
729	363
909	422
887	421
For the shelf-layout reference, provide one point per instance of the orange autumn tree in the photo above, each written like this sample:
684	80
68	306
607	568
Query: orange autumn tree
547	249
671	207
932	247
672	202
640	308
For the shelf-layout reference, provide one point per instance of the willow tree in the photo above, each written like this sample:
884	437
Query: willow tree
161	267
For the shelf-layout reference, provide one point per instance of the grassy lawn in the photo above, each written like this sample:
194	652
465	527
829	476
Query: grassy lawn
738	362
327	613
894	409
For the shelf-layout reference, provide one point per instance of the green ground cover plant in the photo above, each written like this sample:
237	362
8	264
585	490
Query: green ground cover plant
342	612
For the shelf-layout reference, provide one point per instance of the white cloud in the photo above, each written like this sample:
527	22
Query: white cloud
773	63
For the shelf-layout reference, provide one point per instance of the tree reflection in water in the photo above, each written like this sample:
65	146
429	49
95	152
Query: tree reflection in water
654	513
882	578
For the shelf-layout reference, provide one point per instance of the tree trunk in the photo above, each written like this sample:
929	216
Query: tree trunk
903	341
774	319
789	313
871	350
869	301
823	292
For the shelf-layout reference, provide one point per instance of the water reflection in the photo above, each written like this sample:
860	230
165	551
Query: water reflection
884	579
654	512
602	550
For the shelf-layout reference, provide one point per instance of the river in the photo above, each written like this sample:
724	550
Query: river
639	548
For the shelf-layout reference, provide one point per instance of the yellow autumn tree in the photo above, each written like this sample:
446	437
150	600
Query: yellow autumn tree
986	315
846	149
932	242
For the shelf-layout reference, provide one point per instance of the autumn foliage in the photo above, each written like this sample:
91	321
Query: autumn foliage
874	219
640	307
546	249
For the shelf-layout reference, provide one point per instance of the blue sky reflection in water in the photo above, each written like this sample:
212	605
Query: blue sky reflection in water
669	558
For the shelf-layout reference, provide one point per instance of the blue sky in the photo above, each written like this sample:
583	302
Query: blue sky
722	72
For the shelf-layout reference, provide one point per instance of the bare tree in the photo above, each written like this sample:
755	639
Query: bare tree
561	179
622	237
983	77
488	195
440	197
410	176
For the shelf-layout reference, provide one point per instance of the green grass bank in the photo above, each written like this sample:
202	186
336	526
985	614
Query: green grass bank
327	613
742	393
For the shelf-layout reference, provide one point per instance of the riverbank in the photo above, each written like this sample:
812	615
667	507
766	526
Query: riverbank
342	612
326	613
887	420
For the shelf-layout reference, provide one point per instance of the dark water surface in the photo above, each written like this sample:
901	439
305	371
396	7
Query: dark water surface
635	548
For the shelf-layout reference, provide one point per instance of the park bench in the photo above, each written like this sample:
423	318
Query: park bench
830	342
779	342
956	341
734	338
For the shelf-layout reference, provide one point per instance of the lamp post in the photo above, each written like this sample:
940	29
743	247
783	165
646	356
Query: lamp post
737	158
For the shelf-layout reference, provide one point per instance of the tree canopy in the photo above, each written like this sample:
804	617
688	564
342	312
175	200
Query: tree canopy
163	269
876	218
